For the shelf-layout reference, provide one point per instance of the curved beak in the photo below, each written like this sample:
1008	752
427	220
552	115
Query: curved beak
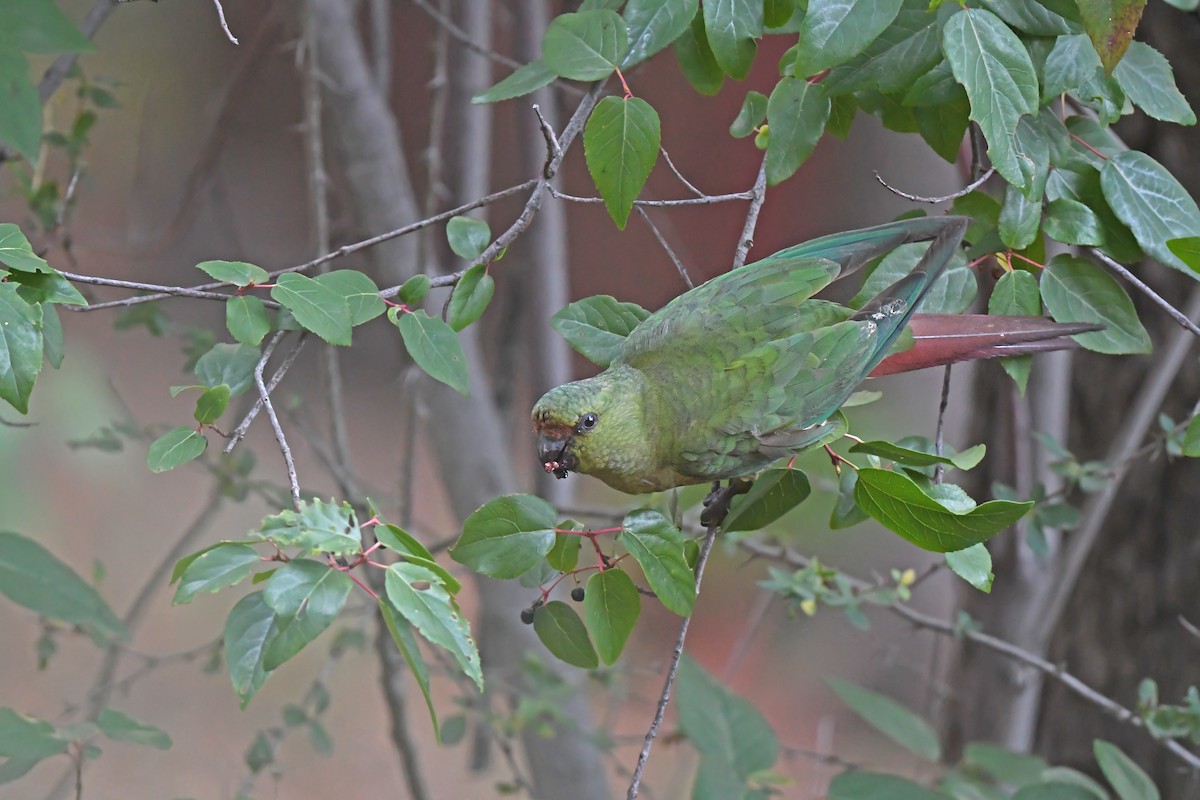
554	451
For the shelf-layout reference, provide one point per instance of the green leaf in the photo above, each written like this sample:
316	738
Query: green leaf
422	598
306	596
750	116
897	501
973	565
248	630
774	493
994	67
620	143
211	404
611	606
564	555
20	347
846	512
222	565
1019	219
696	59
521	81
1017	294
16	251
401	541
1053	790
470	297
1188	251
52	336
585	46
1071	64
361	293
414	290
317	527
876	786
46	286
1128	780
315	306
943	126
1110	25
434	347
1148	198
121	727
1190	446
1004	765
468	236
1071	222
506	537
796	115
889	718
723	726
37	26
31	576
246	318
1076	290
732	26
654	24
834	31
229	364
563	633
20	107
908	49
174	448
406	643
657	546
596	326
1083	185
1066	776
25	738
239	273
1145	77
967	459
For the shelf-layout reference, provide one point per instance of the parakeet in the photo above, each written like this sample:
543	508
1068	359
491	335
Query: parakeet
749	368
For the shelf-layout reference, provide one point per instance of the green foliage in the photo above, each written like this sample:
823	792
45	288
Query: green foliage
621	141
889	718
1076	290
597	326
585	46
657	546
434	346
1128	780
564	634
774	493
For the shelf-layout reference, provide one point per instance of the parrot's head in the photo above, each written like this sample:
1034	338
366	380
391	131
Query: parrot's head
591	426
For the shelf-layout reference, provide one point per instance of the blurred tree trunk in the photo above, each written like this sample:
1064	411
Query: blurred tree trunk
469	435
1121	622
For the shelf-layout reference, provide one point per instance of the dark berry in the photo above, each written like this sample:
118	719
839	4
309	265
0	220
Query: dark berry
577	594
527	616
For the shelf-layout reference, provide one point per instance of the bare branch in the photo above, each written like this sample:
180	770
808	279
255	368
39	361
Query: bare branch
757	195
941	423
963	192
665	696
703	200
461	36
57	72
922	620
240	431
224	24
683	273
671	165
265	397
1138	421
165	291
1158	299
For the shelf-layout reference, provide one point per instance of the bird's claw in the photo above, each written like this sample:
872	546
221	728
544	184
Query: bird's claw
716	504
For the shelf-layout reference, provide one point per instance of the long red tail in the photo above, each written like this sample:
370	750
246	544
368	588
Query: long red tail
941	339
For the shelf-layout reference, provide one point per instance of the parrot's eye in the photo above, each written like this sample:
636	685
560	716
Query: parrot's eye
587	422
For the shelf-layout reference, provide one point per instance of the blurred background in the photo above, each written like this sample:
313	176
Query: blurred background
205	159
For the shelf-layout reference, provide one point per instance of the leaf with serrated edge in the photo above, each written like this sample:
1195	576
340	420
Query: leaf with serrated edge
421	598
973	565
596	326
796	115
406	643
216	568
1152	202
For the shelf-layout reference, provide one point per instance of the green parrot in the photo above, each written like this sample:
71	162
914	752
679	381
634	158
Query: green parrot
749	368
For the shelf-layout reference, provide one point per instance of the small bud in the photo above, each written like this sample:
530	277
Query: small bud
808	606
577	594
908	577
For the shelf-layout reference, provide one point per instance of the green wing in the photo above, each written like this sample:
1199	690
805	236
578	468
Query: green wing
748	368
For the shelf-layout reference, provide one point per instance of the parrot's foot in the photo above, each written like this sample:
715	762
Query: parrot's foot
716	505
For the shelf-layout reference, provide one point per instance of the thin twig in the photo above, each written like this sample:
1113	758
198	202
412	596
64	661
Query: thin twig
921	620
683	273
963	192
671	165
1158	300
240	431
938	443
757	195
676	655
703	200
174	291
754	620
224	24
462	37
265	397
